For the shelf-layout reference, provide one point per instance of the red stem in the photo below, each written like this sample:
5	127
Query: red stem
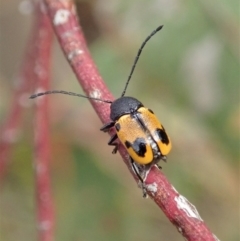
178	210
41	70
35	71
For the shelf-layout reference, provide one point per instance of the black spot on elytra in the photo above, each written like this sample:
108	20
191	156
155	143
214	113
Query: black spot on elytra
163	136
127	144
139	146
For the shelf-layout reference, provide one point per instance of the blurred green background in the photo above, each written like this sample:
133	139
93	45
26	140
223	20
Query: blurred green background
188	74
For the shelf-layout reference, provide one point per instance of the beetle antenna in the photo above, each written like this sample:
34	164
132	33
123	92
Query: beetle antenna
67	93
137	57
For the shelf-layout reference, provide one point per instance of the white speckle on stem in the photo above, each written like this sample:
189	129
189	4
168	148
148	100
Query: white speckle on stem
40	168
152	188
95	94
187	207
74	53
39	70
44	225
61	17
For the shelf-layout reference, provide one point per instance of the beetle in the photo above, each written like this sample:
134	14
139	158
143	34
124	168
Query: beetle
139	130
136	126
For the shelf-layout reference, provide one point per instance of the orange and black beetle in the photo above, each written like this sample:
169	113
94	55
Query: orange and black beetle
137	127
139	130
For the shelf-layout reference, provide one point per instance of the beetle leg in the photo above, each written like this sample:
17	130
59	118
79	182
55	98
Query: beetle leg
111	143
156	162
107	126
136	170
164	158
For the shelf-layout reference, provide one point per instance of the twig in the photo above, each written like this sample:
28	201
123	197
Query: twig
178	210
41	68
34	71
